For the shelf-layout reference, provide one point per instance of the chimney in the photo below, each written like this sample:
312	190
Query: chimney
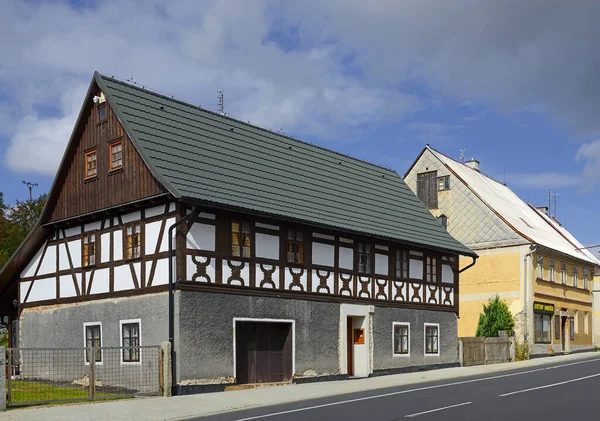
543	209
473	163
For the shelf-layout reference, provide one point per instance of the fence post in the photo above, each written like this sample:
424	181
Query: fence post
166	381
3	372
92	358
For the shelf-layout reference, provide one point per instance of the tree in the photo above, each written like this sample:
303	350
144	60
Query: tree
494	317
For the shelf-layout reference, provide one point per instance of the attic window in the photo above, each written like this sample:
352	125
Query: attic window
101	113
444	183
91	164
116	156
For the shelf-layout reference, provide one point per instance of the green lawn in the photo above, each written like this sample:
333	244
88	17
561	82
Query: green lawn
29	391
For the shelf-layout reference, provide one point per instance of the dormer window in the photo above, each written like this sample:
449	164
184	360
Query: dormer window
91	164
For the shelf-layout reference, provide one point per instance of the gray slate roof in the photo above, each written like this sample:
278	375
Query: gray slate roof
208	157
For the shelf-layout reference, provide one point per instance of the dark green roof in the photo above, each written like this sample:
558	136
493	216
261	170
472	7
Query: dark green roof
208	157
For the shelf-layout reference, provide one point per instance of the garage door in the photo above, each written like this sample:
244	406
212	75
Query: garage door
263	352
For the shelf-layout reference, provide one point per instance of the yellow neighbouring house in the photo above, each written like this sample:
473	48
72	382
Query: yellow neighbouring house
525	256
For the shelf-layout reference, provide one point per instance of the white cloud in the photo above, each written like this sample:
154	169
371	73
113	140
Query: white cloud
545	180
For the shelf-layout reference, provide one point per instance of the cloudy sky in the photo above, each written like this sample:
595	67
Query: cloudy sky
514	83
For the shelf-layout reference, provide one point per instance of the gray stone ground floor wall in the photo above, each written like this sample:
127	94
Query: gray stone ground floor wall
205	345
383	319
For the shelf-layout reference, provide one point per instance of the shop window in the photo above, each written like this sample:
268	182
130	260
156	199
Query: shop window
542	327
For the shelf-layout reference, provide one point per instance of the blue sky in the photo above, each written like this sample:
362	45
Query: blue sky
516	87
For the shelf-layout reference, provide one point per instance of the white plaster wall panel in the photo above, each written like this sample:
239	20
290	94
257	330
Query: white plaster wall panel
289	278
92	226
172	207
346	258
137	267
383	248
323	236
33	264
43	289
201	237
131	217
123	279
266	226
261	278
346	240
101	282
192	269
415	269
23	288
154	211
152	233
381	264
329	282
67	287
49	261
105	247
267	246
207	215
63	259
118	244
244	273
161	274
75	251
447	274
78	277
70	232
323	254
164	245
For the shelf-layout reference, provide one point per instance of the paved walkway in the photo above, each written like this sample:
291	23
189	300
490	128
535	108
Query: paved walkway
184	407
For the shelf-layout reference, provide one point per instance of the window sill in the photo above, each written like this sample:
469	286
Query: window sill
115	171
401	355
90	179
563	285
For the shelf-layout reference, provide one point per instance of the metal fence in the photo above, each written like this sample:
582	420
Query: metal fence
43	375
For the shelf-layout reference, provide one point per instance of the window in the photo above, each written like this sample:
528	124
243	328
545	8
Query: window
401	338
539	267
364	258
101	113
133	241
444	183
572	319
586	279
116	156
295	248
431	269
542	327
563	273
240	239
444	221
130	341
427	189
401	264
575	276
93	339
91	164
431	339
557	327
89	249
552	270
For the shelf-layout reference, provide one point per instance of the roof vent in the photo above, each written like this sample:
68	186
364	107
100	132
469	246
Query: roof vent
543	209
473	163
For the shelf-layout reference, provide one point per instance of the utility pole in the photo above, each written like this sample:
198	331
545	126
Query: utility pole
30	186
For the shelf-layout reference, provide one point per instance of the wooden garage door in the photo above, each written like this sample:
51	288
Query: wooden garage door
263	352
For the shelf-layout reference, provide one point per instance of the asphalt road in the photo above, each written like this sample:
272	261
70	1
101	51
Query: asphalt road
555	391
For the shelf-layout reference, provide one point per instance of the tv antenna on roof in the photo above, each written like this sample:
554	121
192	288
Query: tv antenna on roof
462	156
221	103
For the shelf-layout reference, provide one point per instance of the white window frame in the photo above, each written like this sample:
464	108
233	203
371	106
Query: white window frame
394	324
575	273
425	339
563	273
552	270
539	266
121	323
85	325
586	278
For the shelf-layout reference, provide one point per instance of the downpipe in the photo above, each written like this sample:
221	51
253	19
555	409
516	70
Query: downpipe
171	294
525	282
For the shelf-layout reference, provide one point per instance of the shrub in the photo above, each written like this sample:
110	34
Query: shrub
494	317
522	351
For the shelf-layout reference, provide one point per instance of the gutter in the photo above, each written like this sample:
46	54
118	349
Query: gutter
471	265
171	296
525	281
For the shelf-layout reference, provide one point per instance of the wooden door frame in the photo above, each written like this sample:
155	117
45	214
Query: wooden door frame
259	320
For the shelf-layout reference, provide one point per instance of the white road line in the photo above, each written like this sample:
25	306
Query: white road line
438	409
402	392
551	385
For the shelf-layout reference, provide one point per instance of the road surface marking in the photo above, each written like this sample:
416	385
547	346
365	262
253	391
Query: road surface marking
438	409
551	385
401	392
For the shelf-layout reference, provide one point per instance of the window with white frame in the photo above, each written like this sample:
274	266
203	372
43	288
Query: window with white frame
401	338
432	336
563	273
130	341
552	270
93	339
575	276
539	267
586	278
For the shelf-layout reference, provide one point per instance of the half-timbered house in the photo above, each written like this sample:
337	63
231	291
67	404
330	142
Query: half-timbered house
289	261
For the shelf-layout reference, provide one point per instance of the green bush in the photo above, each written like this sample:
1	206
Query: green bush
495	316
522	351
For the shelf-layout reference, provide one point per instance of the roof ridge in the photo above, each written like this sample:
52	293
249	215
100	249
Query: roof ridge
246	123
